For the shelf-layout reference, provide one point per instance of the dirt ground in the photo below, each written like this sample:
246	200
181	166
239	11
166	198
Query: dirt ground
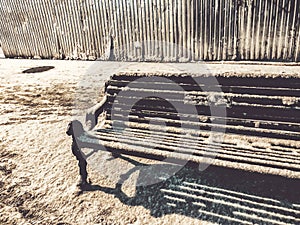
38	172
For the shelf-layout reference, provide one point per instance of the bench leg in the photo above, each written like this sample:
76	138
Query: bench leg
82	164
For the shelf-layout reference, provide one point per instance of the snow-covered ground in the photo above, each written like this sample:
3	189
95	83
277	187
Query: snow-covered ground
38	172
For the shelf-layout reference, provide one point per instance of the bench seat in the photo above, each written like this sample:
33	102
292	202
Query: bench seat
252	155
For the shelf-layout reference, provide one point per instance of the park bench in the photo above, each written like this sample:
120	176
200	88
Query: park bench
152	115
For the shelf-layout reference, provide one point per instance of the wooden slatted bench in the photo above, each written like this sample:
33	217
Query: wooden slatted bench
155	119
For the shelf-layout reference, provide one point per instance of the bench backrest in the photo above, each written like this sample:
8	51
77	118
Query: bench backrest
255	106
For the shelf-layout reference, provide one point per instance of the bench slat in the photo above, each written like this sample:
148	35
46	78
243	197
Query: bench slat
261	80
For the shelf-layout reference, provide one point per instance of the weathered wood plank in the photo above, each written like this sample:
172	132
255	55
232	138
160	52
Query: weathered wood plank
147	30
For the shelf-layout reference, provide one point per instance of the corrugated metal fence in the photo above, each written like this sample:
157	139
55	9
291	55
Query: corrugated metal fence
152	30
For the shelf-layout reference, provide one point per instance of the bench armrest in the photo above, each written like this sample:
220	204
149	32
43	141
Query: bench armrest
93	113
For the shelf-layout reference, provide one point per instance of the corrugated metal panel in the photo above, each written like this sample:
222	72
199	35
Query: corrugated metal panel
152	30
